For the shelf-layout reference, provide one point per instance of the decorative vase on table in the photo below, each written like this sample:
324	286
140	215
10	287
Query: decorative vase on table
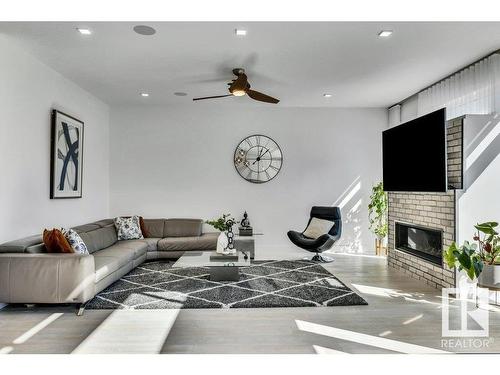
222	242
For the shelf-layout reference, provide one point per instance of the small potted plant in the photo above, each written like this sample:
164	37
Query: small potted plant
479	260
377	214
224	224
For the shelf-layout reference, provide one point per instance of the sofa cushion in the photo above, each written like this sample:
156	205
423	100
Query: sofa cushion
137	247
119	255
154	227
152	243
182	227
99	239
207	241
105	266
21	245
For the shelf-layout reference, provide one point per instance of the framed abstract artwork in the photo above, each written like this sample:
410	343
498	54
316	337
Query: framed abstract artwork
66	156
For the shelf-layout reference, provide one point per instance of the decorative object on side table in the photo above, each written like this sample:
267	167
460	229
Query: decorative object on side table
225	240
480	261
66	157
377	214
245	229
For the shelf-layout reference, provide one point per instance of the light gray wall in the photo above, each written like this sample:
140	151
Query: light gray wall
177	162
28	92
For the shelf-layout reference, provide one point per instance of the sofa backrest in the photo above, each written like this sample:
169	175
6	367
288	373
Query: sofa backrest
96	236
29	244
102	234
154	227
99	239
182	227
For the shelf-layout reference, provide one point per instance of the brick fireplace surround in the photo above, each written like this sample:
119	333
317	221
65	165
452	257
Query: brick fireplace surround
432	210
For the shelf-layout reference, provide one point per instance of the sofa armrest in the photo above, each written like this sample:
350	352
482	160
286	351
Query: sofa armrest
46	278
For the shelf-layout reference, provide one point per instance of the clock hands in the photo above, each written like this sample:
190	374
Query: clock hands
260	155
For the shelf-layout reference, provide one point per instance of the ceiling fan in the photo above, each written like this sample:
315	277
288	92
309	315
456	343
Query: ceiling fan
241	87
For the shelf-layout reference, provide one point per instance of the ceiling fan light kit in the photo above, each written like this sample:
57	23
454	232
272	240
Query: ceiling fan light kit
241	87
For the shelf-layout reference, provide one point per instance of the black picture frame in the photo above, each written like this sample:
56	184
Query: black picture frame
66	156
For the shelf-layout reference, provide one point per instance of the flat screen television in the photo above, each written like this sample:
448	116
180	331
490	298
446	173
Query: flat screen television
414	155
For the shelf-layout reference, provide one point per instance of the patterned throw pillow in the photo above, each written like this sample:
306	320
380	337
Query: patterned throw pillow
75	241
128	228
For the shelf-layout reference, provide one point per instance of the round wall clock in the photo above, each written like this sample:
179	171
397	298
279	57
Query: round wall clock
258	158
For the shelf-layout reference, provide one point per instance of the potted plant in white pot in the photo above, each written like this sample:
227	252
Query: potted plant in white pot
377	214
479	260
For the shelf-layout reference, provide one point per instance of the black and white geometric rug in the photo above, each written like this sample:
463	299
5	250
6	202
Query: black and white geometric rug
284	283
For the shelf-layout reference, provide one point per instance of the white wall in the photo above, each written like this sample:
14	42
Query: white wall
28	92
177	162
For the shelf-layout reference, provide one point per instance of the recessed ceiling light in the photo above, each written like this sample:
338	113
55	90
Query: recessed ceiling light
144	30
144	94
240	32
84	31
327	95
180	94
385	33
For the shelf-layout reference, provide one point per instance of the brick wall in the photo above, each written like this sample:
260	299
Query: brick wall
433	210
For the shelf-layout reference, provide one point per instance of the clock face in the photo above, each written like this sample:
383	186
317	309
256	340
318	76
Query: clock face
258	158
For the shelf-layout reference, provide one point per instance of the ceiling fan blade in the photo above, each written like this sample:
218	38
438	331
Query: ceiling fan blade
212	97
261	97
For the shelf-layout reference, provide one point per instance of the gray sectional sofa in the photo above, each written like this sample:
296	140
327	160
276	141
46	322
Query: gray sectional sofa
28	274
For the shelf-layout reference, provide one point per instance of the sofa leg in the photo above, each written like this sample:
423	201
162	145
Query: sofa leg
80	308
321	258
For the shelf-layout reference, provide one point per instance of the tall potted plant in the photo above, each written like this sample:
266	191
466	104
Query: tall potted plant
377	214
480	260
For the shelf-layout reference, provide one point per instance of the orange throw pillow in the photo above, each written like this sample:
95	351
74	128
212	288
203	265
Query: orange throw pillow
55	242
144	231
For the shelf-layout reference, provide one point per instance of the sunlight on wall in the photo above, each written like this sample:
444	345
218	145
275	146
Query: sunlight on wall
481	147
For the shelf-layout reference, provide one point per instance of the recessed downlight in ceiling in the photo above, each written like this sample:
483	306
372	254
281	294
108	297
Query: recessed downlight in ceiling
144	94
327	95
180	93
240	32
84	31
385	33
144	30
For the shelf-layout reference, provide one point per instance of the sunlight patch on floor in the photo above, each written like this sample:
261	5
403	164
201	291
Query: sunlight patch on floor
40	326
411	320
322	350
130	331
6	350
364	339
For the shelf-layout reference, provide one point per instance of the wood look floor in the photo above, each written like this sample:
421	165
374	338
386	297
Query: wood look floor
403	316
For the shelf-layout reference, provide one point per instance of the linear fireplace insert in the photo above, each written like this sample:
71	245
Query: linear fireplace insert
425	243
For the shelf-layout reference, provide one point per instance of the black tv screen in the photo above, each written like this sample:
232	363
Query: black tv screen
414	155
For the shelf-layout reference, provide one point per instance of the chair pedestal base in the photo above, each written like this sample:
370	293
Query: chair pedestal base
322	259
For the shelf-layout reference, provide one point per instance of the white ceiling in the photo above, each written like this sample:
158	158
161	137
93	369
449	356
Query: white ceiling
295	62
